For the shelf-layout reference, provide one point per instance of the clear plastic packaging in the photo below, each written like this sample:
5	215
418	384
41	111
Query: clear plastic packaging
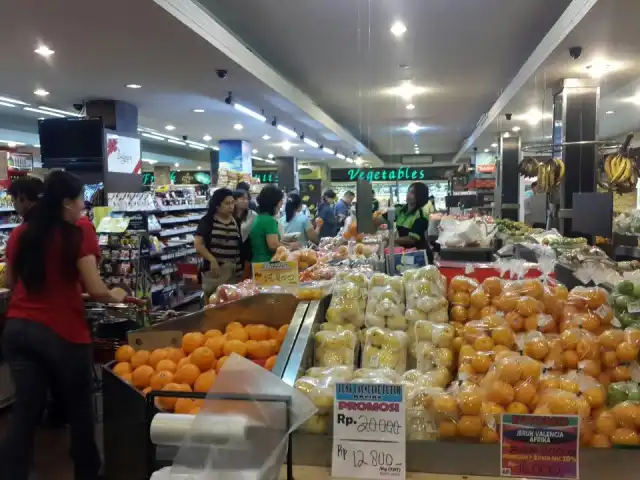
347	304
384	348
334	348
385	304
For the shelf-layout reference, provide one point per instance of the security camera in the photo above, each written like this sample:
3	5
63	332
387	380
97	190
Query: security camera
508	116
221	73
185	137
78	106
575	52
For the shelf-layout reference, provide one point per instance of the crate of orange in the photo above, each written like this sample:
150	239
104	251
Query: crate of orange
261	328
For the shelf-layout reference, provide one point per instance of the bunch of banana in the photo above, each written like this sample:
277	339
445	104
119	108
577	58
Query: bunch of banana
550	174
528	167
621	171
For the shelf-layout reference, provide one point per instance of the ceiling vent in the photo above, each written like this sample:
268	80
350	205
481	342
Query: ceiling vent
417	160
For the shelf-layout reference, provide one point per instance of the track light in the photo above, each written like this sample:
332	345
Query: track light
229	99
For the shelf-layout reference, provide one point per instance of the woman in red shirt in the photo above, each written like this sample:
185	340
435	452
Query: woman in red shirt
47	340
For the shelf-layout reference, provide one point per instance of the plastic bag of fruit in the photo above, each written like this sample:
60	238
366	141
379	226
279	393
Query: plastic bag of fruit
315	290
347	304
421	420
333	348
228	293
384	348
385	303
625	300
587	308
425	292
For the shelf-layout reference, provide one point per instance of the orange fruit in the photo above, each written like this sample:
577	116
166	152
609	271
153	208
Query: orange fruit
460	298
446	404
220	364
273	333
235	346
122	368
611	338
588	348
481	362
141	357
141	376
632	335
596	396
489	435
483	344
458	314
537	348
515	321
509	370
282	332
156	356
274	345
625	436
461	283
590	367
470	426
606	424
205	381
146	391
194	411
183	362
175	354
604	378
525	392
124	353
216	345
166	366
501	393
126	377
530	368
239	334
257	332
486	311
187	374
233	326
212	333
503	336
517	408
527	306
253	349
479	299
627	352
621	373
168	403
600	441
271	362
570	359
492	286
448	429
160	379
191	341
470	402
183	406
609	359
203	358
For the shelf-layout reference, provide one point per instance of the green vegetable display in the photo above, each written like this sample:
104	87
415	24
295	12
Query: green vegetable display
623	392
625	301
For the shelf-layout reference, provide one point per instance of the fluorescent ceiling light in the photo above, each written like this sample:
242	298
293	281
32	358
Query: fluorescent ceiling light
328	150
44	51
398	29
301	149
133	85
610	112
254	151
177	164
515	129
11	143
202	145
177	142
349	160
340	156
196	147
216	148
198	110
7	104
151	135
41	92
310	142
287	131
11	100
506	134
411	106
265	137
199	167
37	145
57	110
37	110
269	161
494	145
599	69
486	150
169	127
406	90
358	160
286	145
147	160
207	138
412	127
238	126
270	155
248	111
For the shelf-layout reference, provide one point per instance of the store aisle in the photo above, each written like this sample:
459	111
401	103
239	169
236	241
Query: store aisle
51	460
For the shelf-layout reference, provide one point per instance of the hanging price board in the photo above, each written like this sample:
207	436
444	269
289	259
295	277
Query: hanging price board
540	446
277	274
369	435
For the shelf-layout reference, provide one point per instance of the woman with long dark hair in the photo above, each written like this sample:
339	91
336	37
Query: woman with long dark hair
218	239
245	217
47	340
265	234
295	221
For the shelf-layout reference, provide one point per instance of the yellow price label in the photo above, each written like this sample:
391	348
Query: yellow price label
281	274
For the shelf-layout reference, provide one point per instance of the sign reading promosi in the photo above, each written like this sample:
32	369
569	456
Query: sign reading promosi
123	154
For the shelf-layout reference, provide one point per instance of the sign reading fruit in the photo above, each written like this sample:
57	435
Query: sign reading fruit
369	437
540	446
277	274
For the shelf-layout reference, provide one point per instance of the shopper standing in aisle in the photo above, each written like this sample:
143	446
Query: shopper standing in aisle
296	221
411	221
218	239
247	188
245	217
327	215
265	234
25	193
47	340
343	207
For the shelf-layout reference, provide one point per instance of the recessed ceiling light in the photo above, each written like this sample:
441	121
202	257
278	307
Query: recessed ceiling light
270	155
301	150
198	110
207	138
412	127
610	112
506	134
599	69
486	150
411	106
416	145
44	51
254	151
133	85
286	145
398	29
41	92
238	126
515	129
265	137
169	127
494	145
406	90
199	167
176	164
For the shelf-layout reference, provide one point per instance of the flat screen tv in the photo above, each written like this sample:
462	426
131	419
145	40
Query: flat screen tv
69	142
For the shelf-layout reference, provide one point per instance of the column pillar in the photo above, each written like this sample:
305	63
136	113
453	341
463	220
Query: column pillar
162	175
121	117
214	165
235	155
575	119
287	173
508	177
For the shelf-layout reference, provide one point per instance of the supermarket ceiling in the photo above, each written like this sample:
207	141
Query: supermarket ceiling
610	42
460	53
102	46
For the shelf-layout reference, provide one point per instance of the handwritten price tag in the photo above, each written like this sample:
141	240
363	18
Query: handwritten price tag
280	274
369	433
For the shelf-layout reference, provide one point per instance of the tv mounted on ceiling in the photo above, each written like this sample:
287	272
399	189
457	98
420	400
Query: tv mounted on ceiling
71	142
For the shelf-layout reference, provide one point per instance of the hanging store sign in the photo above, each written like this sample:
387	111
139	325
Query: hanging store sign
399	174
369	432
123	154
540	446
181	178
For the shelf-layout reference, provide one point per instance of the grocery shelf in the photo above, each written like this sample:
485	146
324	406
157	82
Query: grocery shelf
172	256
7	226
170	221
176	231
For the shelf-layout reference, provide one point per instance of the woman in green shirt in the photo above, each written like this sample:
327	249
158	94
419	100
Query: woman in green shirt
265	234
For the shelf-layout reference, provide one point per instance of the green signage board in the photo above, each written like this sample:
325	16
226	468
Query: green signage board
181	178
266	176
384	174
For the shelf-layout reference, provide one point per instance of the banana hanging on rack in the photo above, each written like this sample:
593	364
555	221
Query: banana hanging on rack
620	169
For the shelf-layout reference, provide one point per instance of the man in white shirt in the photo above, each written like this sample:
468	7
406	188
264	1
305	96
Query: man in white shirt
527	204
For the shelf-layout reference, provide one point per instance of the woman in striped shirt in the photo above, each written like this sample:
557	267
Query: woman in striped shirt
218	238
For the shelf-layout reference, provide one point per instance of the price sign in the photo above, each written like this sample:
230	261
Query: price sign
540	446
280	274
369	435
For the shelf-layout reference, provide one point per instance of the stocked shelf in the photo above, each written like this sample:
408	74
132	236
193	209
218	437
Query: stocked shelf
176	231
8	226
170	221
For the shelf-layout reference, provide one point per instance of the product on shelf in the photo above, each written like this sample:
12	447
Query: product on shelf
333	348
385	304
384	348
625	301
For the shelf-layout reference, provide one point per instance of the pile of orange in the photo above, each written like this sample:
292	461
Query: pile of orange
619	425
194	366
351	232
